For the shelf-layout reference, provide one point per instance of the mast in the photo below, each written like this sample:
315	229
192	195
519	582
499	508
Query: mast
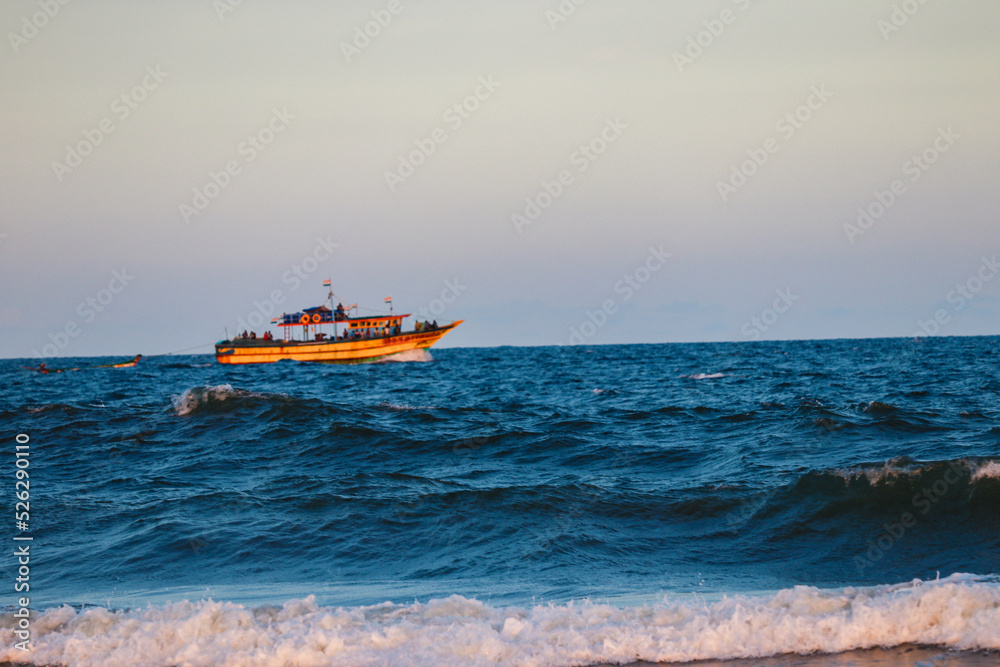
329	297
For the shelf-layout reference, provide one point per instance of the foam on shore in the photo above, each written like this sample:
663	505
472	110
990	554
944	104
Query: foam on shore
959	612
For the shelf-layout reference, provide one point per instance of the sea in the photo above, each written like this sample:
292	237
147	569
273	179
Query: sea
830	502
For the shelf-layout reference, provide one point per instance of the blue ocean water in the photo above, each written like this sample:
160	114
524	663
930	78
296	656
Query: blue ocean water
551	505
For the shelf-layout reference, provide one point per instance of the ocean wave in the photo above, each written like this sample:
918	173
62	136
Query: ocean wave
904	468
213	397
409	355
402	407
985	469
878	407
704	376
959	612
53	407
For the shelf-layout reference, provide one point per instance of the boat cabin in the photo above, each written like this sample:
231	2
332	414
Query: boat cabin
376	326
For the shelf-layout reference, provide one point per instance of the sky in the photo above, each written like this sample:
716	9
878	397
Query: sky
552	173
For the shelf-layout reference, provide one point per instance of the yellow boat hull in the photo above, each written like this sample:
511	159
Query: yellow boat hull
353	351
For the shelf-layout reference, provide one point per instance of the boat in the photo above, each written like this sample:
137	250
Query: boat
131	363
329	335
45	370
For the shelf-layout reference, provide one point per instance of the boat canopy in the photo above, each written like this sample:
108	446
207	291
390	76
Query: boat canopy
310	316
376	321
323	315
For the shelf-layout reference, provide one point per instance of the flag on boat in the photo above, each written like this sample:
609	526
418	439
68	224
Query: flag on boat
326	283
388	299
275	320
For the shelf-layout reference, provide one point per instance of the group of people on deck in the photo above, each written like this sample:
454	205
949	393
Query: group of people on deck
253	335
359	334
365	332
372	332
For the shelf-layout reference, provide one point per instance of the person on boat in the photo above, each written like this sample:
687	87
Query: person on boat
245	334
43	369
253	335
340	312
434	325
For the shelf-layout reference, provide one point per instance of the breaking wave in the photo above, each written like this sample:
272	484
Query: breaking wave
409	355
212	398
705	376
959	612
906	470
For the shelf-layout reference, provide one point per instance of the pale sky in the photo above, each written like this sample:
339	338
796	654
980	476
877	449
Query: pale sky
407	162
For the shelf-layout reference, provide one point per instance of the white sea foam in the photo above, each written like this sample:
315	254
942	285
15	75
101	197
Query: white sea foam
706	376
894	468
403	407
196	397
876	474
986	469
410	355
961	612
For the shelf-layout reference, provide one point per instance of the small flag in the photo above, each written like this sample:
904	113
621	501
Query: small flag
388	299
326	283
274	320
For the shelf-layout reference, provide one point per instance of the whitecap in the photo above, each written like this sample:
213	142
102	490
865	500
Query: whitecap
705	376
409	355
985	469
959	612
198	397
